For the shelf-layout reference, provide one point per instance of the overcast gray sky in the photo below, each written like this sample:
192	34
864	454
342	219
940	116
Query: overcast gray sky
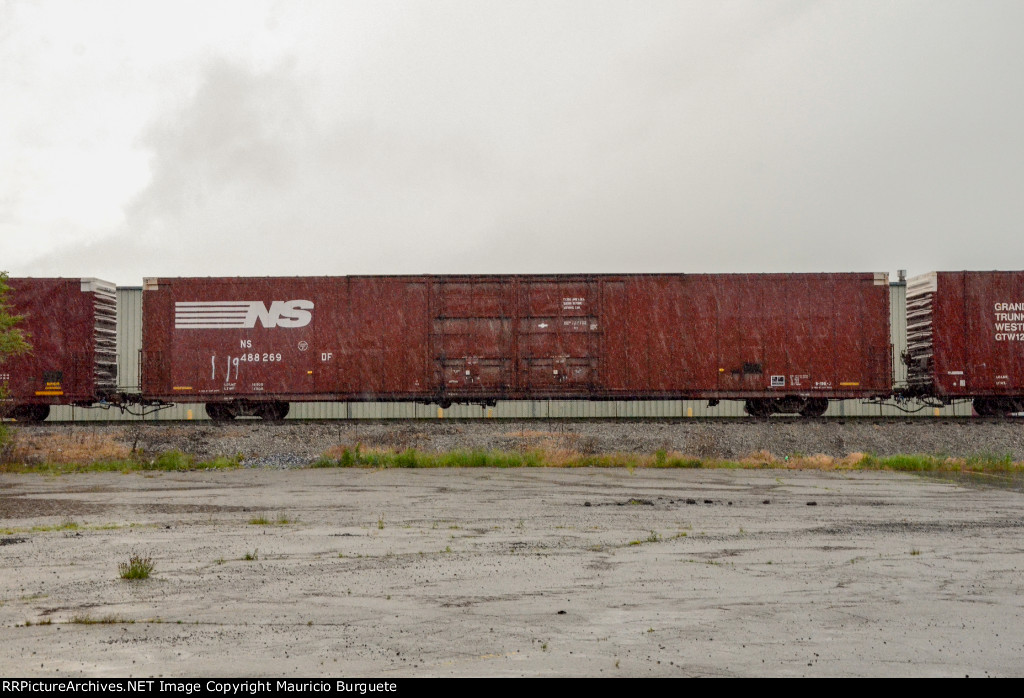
307	138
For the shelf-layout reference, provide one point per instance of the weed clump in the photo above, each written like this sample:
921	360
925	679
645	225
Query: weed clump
137	567
989	461
111	619
264	520
6	442
653	537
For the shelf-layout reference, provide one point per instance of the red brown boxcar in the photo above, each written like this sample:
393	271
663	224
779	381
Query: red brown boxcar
72	327
782	342
965	338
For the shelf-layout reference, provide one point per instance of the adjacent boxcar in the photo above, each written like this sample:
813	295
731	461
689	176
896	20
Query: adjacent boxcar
781	342
72	327
965	338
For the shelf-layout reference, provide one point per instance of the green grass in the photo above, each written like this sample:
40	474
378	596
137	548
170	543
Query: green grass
166	461
66	526
908	463
111	619
663	460
264	520
411	458
62	526
653	537
45	621
357	457
991	461
137	567
983	462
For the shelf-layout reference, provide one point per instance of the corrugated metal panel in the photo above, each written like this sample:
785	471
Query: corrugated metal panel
129	338
920	294
669	409
104	296
100	414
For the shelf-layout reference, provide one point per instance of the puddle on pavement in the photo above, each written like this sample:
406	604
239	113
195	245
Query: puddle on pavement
1001	481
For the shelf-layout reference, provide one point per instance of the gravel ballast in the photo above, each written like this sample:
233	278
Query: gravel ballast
291	444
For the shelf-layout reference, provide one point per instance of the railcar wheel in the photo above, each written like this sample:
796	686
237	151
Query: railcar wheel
758	408
994	407
815	407
219	412
272	411
30	413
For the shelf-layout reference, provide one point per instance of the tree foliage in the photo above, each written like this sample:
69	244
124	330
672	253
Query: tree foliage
12	340
12	343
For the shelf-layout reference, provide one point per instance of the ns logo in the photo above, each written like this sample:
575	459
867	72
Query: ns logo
226	315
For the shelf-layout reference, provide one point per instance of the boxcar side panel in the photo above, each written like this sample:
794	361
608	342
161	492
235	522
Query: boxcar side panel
60	324
284	338
484	338
978	328
386	336
618	372
746	335
558	343
472	324
746	309
209	339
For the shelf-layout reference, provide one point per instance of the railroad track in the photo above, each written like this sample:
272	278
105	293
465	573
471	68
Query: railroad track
548	421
